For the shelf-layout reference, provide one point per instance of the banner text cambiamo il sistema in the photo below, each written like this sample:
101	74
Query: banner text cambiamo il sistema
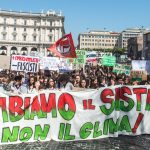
69	116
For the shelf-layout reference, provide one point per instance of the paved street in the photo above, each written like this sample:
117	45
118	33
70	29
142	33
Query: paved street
122	142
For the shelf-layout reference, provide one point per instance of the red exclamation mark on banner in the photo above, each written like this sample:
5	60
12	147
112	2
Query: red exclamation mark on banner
138	121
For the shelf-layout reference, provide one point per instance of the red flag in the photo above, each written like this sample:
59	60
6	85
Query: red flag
64	47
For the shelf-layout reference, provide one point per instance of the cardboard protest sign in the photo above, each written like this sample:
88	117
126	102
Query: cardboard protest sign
90	114
4	62
24	63
138	75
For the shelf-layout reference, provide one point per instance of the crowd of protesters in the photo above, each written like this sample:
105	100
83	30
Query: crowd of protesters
88	78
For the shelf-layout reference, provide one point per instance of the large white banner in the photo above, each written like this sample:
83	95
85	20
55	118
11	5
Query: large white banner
68	116
4	62
24	63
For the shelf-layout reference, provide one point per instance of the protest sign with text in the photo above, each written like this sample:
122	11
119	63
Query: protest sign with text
49	63
81	57
24	63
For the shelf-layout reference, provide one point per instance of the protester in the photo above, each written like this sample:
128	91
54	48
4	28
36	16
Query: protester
5	82
83	84
77	81
30	84
51	84
112	82
94	83
37	87
103	82
64	82
93	77
18	87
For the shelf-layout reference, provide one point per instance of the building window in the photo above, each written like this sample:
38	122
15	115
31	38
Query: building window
4	36
50	30
50	38
34	38
14	37
34	29
4	20
34	23
4	28
24	29
15	21
14	28
51	23
24	38
25	22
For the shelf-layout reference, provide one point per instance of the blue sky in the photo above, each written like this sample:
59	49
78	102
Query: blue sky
114	15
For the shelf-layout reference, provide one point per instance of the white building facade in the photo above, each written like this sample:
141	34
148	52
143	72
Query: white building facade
96	40
29	33
130	33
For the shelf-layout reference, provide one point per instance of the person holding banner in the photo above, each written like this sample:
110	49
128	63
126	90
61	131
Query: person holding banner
83	84
112	82
18	87
95	83
64	82
103	82
37	87
30	85
51	84
77	81
5	82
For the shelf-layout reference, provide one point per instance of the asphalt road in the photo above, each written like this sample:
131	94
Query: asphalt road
141	142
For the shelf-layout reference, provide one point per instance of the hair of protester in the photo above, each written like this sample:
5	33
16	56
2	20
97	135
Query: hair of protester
18	78
64	77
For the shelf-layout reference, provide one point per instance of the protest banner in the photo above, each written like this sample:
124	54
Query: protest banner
5	62
49	63
24	63
108	60
70	116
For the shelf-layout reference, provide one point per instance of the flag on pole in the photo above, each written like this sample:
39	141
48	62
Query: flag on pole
64	47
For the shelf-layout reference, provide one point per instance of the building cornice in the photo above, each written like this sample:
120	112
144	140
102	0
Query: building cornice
30	14
4	32
30	26
25	43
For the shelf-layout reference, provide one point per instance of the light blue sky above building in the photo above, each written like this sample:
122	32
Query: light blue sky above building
83	15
